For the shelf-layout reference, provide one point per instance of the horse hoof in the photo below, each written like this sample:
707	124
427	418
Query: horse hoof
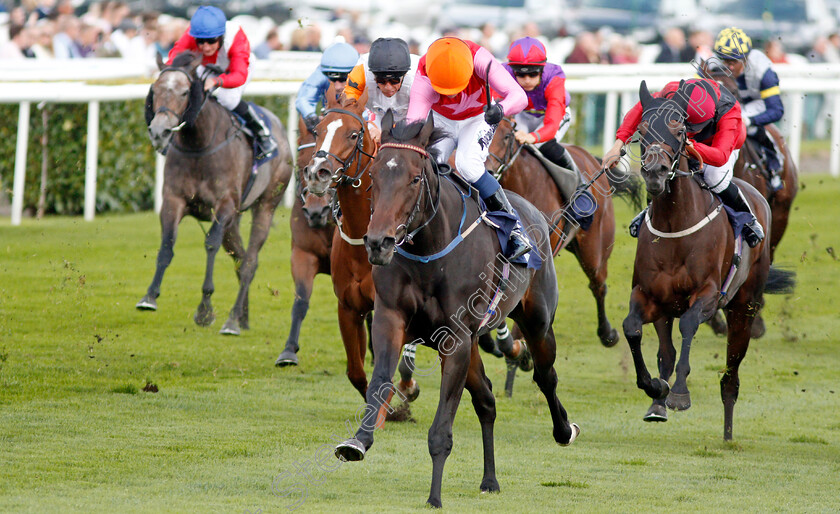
230	328
718	324
610	340
656	412
146	304
204	319
525	361
664	390
489	485
678	401
575	433
757	330
351	450
434	503
287	358
409	391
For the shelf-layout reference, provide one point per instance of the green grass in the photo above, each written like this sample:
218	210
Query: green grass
226	429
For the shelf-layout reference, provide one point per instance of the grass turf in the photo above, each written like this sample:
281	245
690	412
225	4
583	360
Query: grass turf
227	431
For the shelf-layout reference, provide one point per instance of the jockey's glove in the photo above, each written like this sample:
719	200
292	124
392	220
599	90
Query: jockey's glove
311	122
493	113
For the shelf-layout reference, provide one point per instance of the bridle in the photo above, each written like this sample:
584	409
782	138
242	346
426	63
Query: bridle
428	162
678	142
339	176
163	108
512	150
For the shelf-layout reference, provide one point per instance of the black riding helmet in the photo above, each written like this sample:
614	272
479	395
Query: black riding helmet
389	58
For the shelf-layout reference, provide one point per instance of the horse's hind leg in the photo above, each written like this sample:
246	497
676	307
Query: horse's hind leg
260	225
593	262
666	358
702	309
738	341
204	315
481	391
304	269
170	216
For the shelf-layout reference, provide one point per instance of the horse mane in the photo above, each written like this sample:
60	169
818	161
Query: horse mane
403	132
183	59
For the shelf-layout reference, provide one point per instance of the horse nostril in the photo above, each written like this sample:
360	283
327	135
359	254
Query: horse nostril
324	174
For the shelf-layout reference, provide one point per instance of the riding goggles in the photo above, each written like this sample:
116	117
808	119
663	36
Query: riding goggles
336	76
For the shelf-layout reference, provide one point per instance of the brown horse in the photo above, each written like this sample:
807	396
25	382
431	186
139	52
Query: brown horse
343	152
312	235
521	171
684	264
445	291
208	175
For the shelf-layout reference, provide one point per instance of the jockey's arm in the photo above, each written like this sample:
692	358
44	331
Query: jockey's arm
770	93
355	82
623	134
514	99
185	43
421	98
239	56
726	139
310	92
555	93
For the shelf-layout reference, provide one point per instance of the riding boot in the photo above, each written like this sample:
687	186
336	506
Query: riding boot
584	202
262	135
771	157
636	224
496	200
734	198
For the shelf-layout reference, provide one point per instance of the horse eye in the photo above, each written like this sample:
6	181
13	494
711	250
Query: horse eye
354	135
415	179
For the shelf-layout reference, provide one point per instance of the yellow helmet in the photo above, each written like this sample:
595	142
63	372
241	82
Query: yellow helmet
449	65
732	44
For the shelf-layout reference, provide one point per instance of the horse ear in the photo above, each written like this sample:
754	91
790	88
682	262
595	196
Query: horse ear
150	106
644	95
332	99
426	131
159	61
195	62
683	95
387	123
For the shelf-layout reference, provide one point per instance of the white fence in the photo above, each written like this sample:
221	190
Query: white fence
282	77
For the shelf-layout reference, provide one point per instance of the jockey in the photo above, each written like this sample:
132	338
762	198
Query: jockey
450	82
547	117
758	86
225	45
336	62
391	68
715	130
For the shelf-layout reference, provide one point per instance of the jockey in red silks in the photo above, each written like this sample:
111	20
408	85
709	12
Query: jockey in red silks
450	82
716	132
225	45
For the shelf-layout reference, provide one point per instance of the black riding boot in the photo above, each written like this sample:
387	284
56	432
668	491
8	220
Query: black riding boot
265	144
771	157
734	198
518	245
556	153
584	204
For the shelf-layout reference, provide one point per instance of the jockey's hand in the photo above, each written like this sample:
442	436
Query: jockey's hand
210	83
614	154
493	114
311	122
374	131
524	137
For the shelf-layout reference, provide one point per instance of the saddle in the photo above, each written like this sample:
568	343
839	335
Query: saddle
260	175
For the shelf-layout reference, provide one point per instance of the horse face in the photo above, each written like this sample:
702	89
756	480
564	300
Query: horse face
335	141
316	209
661	137
498	153
171	97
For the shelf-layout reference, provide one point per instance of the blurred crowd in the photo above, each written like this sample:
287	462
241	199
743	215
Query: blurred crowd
45	29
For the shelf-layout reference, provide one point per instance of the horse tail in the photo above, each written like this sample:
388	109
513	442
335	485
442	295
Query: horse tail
627	186
780	281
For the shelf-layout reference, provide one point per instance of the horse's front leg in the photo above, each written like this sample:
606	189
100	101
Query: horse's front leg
388	335
702	309
642	311
170	216
666	357
593	261
484	403
224	215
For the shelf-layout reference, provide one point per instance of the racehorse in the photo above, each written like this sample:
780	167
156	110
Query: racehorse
750	168
209	175
439	289
521	171
684	264
312	235
343	152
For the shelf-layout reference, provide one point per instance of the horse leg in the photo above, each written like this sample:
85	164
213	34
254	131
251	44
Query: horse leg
232	243
454	368
353	334
408	386
170	216
632	326
595	268
388	333
666	357
718	323
304	269
736	347
260	226
757	329
204	315
484	403
702	309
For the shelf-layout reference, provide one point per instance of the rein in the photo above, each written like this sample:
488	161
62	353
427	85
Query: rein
510	156
340	176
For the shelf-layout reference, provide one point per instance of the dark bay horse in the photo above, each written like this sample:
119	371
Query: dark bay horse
683	262
447	301
207	175
343	152
520	171
312	233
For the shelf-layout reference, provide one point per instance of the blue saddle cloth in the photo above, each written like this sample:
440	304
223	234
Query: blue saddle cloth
505	223
738	220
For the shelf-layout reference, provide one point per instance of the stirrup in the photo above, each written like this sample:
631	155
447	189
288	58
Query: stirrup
265	147
636	224
776	183
518	245
754	234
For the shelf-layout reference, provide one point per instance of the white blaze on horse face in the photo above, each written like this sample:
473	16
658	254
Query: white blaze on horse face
392	163
331	129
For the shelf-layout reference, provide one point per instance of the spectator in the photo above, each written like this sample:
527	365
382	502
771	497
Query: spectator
586	50
271	43
298	41
17	46
121	38
701	41
623	50
774	50
493	40
65	44
90	40
823	51
42	35
674	47
313	38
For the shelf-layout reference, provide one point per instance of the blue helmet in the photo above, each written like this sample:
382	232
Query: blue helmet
339	58
207	22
